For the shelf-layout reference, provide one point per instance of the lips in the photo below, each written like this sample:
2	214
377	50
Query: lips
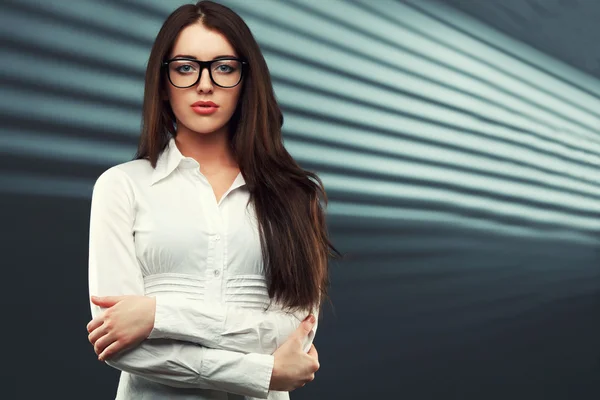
204	104
204	107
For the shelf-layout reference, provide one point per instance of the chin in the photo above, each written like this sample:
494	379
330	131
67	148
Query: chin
204	129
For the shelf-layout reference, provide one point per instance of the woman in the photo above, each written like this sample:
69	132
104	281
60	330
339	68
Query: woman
212	239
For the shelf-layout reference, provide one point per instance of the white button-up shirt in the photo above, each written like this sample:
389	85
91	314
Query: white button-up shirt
160	232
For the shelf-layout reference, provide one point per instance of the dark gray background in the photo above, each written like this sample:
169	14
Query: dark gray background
460	147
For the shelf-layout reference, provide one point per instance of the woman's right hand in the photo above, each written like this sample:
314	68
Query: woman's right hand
293	368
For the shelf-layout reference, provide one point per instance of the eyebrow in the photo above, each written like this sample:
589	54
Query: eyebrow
215	58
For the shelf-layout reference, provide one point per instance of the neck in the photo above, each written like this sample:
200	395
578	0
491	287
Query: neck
211	150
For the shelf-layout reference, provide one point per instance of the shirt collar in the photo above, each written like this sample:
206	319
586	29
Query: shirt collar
171	158
168	160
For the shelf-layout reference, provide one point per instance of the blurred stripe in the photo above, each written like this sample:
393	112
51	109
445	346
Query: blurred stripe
401	105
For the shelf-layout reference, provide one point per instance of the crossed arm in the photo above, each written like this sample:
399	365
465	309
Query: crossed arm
135	318
225	333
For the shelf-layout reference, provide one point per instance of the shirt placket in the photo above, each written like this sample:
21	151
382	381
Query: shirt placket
214	254
224	243
214	260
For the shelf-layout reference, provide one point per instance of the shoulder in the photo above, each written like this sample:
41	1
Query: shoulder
123	179
131	172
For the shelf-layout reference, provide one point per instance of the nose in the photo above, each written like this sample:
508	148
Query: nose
205	84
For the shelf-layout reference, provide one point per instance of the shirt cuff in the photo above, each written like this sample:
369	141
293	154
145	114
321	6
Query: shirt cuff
174	320
249	374
158	330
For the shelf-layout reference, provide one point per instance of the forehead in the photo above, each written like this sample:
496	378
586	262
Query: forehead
201	43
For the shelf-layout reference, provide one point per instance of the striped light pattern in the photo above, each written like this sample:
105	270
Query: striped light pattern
407	109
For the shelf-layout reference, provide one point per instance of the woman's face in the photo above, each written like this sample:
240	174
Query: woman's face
196	41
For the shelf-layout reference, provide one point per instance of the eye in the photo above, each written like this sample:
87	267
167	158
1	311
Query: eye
184	67
224	68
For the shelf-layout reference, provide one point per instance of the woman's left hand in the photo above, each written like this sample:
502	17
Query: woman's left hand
127	321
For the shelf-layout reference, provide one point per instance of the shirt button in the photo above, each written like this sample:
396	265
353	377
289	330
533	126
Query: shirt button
217	272
217	237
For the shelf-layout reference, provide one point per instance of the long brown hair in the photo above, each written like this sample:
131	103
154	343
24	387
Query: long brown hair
287	199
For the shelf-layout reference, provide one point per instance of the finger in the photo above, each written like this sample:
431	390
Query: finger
103	343
300	334
313	352
306	326
114	348
95	323
106	301
96	334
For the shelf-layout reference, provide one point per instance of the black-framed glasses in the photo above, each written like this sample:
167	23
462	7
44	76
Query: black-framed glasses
186	72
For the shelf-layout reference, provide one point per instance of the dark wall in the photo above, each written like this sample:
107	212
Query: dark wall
462	169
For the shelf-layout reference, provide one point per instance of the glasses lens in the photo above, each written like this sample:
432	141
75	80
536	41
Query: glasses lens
183	73
227	72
